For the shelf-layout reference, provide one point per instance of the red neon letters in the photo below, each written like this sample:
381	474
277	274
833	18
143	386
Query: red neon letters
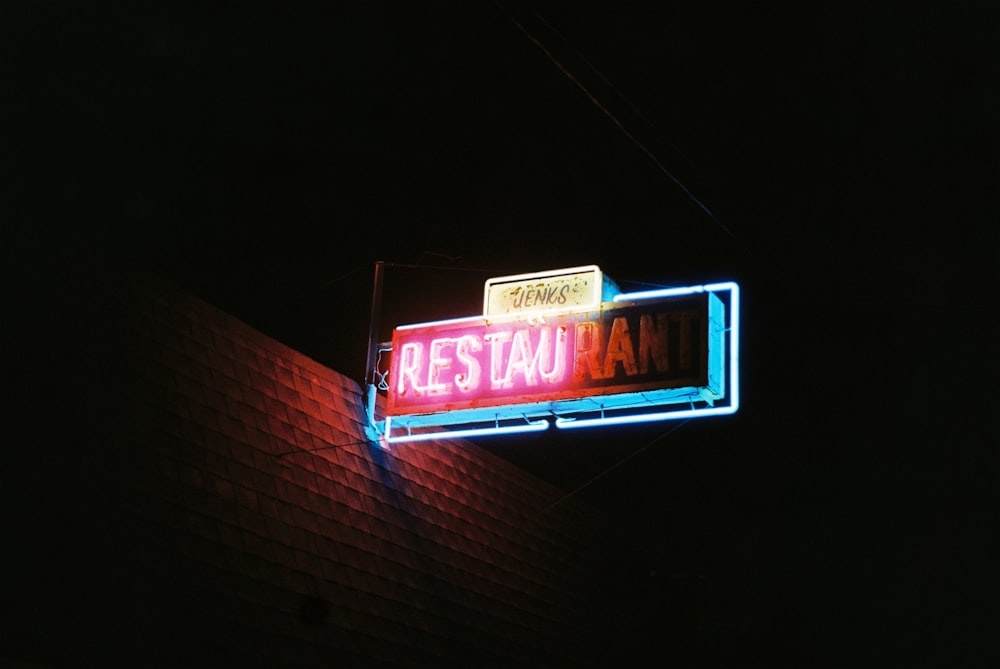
479	363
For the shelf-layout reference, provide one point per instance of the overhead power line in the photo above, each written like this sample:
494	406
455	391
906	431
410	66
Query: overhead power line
597	103
619	463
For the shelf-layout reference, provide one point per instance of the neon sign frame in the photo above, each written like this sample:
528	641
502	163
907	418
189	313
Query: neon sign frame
601	410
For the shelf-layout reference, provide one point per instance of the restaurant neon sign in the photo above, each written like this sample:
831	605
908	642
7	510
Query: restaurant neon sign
636	356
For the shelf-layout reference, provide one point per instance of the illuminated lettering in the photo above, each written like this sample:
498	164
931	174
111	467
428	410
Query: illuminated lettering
530	364
521	360
409	369
474	364
558	357
438	364
465	348
496	341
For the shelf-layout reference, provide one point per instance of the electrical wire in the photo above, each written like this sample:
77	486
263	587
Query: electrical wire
632	138
618	464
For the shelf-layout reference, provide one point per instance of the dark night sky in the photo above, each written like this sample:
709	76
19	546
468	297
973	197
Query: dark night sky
265	155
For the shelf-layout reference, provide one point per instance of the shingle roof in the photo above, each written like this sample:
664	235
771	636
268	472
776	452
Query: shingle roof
230	487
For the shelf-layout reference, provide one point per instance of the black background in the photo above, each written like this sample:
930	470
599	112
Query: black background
837	159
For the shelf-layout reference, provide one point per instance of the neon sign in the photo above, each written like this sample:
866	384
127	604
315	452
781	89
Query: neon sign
570	289
469	363
654	355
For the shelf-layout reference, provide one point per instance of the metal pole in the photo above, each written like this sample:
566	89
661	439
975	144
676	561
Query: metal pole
369	377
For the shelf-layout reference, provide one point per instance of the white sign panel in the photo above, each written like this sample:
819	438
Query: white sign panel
545	292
